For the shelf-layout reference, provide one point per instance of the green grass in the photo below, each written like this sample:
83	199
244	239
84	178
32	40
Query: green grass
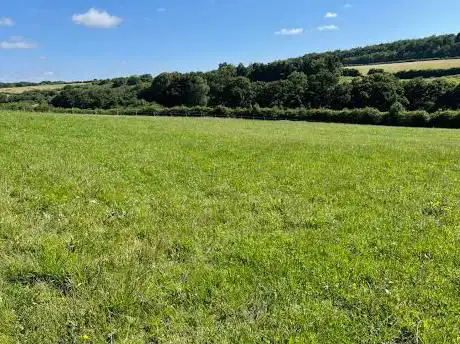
417	65
180	230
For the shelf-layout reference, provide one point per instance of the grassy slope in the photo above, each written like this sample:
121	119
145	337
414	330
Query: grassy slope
136	230
418	65
16	90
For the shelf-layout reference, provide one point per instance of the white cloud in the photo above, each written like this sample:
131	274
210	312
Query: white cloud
48	73
16	38
97	19
6	21
290	32
330	15
327	28
161	9
348	6
17	42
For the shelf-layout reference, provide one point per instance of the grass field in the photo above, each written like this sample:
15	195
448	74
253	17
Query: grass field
17	90
179	230
418	65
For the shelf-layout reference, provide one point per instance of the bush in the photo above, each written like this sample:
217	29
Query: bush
221	111
396	109
445	119
352	72
376	71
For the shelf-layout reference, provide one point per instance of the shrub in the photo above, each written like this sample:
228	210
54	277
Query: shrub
376	71
221	111
351	72
397	116
445	119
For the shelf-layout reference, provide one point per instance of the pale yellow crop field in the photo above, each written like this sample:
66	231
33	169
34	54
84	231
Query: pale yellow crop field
417	65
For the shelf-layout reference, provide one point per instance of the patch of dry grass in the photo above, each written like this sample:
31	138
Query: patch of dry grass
17	90
403	66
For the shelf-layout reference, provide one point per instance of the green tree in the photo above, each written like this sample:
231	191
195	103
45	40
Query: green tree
196	90
425	94
296	92
323	75
341	96
146	78
133	81
379	91
227	69
376	71
118	82
237	92
450	99
241	70
171	89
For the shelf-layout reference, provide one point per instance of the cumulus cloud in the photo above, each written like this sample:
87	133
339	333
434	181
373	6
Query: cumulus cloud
6	21
48	73
330	15
327	28
290	32
97	19
17	42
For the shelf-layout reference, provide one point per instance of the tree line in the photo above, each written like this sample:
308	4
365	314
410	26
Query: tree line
434	47
223	87
427	73
408	74
370	116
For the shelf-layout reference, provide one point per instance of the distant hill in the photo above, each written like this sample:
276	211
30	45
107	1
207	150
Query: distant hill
434	47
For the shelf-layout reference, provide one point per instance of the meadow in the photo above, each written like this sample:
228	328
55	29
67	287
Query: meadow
416	65
182	230
23	89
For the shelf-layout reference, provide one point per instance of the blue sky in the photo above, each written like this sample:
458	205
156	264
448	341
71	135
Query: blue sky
66	40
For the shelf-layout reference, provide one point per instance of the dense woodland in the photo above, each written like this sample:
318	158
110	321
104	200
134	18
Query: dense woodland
434	47
320	87
309	82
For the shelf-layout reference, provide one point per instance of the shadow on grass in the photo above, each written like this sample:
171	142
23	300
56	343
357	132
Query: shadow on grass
62	283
